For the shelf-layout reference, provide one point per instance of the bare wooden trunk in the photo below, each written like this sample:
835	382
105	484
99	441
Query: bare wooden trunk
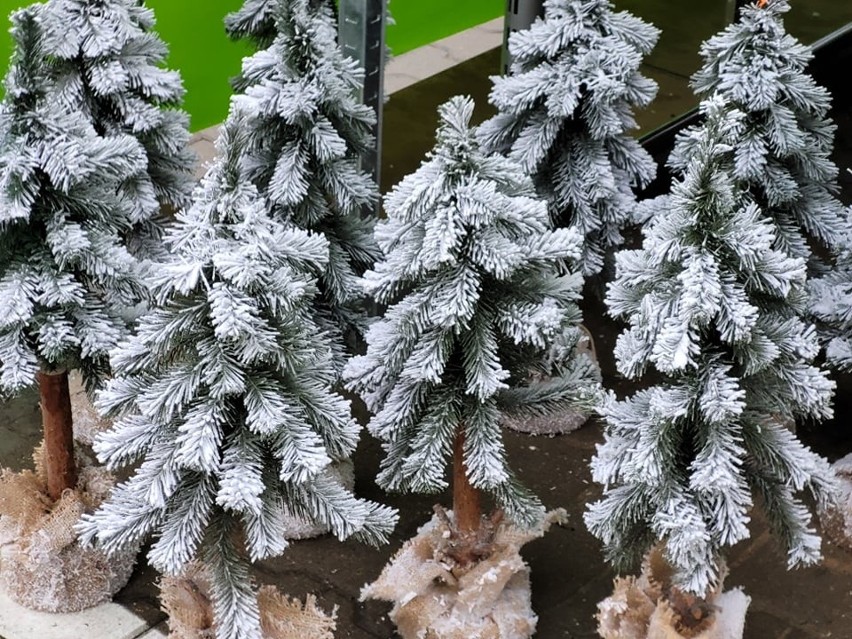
58	432
466	499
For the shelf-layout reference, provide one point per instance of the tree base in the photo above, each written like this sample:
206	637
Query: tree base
42	566
561	422
435	598
837	520
648	607
186	600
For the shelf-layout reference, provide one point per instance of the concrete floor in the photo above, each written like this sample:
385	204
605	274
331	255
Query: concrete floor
568	572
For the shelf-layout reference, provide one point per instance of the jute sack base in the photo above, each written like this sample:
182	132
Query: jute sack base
433	599
638	609
562	422
837	520
186	600
42	566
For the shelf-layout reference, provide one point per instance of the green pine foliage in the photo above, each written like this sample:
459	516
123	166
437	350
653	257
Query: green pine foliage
223	400
307	131
565	112
65	273
714	307
107	64
475	304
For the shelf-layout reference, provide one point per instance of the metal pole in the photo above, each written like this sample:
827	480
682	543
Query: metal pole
362	37
520	14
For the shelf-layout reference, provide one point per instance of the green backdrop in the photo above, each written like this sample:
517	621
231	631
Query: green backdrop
206	58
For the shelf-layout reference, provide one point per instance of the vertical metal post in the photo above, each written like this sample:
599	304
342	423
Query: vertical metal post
520	14
362	37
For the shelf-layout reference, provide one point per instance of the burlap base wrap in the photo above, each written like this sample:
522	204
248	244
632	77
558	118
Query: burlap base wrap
42	566
638	609
186	600
433	599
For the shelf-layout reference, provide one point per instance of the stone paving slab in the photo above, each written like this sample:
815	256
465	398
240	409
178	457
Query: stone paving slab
108	621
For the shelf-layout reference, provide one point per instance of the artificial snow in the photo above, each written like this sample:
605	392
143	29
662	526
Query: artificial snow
186	600
837	519
648	607
42	565
434	597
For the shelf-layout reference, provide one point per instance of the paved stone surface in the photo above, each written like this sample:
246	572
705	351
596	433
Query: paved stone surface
109	621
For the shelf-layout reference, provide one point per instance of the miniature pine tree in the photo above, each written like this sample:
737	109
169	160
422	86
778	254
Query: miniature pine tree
64	271
107	64
307	132
784	154
225	397
564	112
831	303
713	307
474	303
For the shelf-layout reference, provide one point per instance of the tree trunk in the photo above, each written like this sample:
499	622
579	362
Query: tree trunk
58	432
466	499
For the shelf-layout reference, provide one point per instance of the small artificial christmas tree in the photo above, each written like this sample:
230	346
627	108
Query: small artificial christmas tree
783	156
714	307
564	112
225	395
307	131
64	270
475	303
107	64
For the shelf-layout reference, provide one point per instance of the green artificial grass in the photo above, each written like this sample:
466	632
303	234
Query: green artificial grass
205	56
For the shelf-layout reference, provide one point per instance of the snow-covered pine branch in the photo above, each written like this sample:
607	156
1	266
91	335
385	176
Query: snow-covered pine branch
307	132
65	272
225	397
783	152
714	306
564	113
255	21
475	302
107	64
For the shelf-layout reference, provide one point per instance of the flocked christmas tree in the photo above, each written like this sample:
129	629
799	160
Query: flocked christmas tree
783	155
469	275
107	63
307	132
64	271
714	307
225	395
565	111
